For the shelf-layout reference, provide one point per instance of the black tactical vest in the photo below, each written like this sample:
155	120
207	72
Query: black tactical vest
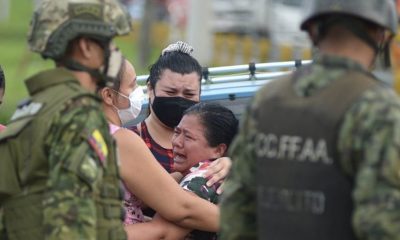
302	192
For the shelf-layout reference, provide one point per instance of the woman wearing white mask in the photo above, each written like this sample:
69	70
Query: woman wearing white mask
128	95
143	176
121	104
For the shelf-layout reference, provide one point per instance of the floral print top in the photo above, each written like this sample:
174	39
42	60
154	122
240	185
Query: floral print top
132	205
195	182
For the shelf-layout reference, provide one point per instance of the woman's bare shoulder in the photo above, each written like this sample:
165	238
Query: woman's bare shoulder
125	136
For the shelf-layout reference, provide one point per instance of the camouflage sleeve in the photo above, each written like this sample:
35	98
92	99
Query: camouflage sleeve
238	201
370	142
74	173
2	228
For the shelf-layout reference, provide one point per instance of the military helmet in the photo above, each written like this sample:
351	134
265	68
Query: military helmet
379	12
56	22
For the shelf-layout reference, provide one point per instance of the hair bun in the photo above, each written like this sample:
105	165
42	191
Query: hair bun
178	47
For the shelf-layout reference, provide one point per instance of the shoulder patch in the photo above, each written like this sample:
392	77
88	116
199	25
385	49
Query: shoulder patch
27	108
96	141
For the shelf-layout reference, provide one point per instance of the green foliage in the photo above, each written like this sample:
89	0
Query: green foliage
14	54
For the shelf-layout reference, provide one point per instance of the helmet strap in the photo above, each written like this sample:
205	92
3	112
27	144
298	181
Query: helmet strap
358	29
354	26
95	73
99	74
385	55
382	50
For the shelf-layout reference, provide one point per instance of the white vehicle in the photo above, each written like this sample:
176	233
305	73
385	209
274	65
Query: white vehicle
279	19
235	16
283	18
233	86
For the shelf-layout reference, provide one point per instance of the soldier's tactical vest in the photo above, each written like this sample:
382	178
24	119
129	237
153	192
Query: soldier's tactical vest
24	167
302	193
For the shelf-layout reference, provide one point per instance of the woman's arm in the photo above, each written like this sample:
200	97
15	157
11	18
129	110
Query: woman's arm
177	176
156	229
144	176
152	230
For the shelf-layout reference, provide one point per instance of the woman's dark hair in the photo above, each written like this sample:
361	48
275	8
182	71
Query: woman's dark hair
219	122
2	79
175	61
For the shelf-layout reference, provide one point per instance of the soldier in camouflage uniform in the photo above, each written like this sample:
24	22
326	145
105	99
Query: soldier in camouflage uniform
318	154
59	174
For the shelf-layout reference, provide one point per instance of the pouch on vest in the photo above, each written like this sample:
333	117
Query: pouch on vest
9	182
84	166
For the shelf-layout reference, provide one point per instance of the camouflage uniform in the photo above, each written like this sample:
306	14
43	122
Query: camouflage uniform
59	175
337	103
368	141
64	180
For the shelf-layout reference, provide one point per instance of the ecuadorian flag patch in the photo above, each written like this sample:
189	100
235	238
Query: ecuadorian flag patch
98	144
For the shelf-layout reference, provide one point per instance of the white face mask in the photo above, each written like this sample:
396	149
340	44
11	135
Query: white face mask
135	99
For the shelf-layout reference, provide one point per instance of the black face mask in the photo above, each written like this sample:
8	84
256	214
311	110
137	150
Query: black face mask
170	109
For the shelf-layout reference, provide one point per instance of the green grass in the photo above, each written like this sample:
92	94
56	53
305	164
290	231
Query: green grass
13	55
19	63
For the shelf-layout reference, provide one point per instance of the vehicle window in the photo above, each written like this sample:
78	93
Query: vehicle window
293	3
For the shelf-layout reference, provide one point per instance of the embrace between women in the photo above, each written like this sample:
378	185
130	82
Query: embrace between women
173	87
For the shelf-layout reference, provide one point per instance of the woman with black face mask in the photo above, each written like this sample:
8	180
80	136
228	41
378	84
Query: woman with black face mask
174	84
